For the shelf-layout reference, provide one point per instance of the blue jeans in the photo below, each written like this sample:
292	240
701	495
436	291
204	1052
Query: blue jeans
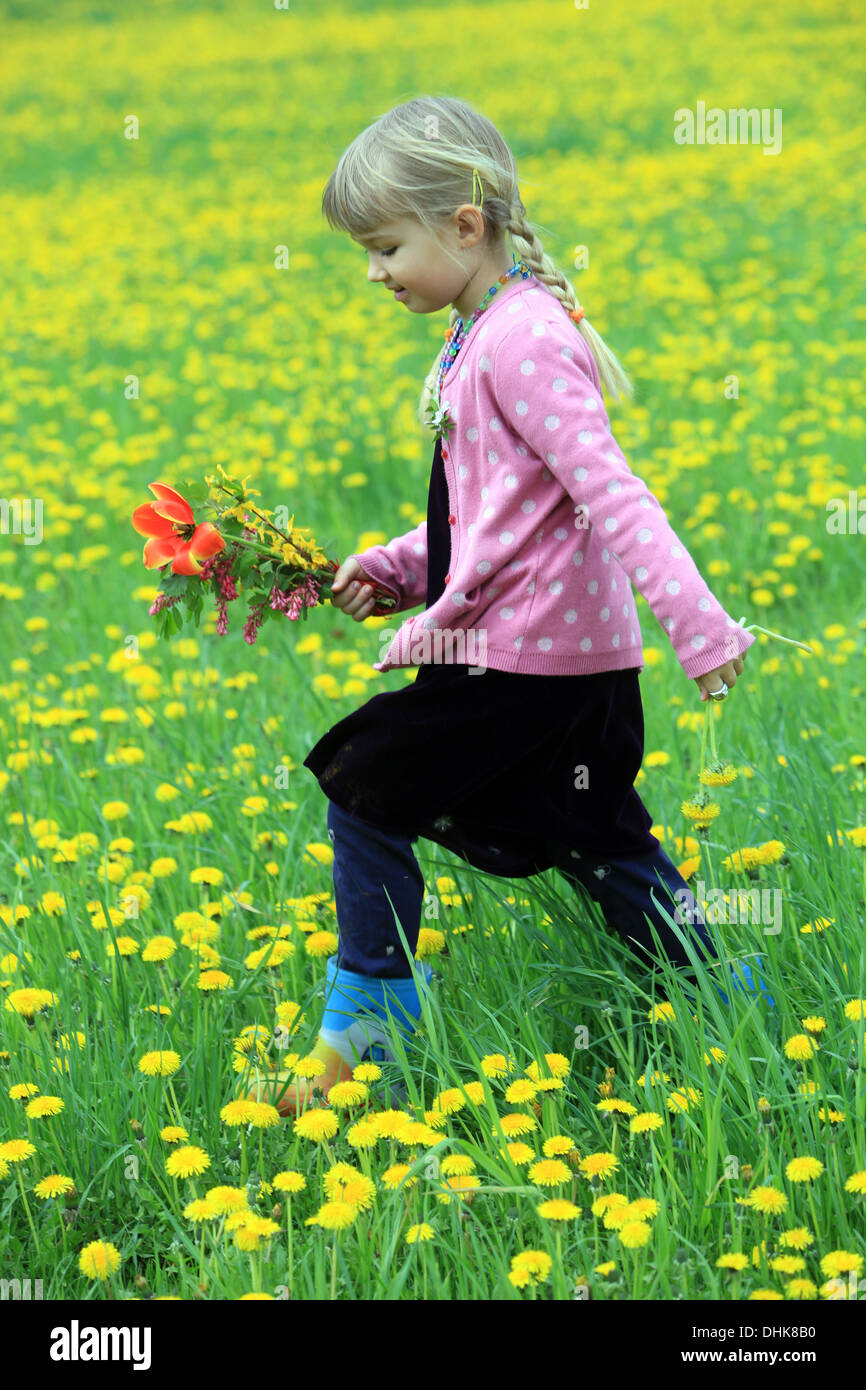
367	860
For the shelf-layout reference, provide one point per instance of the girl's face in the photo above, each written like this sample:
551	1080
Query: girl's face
405	258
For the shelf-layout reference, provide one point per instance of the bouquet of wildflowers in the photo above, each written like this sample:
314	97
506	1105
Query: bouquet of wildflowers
243	550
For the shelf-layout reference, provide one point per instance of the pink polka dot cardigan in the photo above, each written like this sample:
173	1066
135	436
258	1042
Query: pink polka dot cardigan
550	527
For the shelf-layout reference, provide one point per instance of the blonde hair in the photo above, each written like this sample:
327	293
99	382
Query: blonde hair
419	161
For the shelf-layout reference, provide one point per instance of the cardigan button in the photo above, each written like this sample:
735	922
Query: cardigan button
448	579
445	453
452	520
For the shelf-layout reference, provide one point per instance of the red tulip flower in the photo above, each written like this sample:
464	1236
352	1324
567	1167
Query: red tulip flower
170	523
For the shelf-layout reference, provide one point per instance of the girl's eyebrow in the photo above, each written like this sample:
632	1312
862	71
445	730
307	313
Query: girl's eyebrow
380	236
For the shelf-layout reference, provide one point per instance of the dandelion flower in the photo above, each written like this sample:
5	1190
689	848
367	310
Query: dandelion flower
700	814
334	1216
663	1012
683	1099
558	1065
318	1125
607	1200
44	1105
187	1162
797	1239
227	1201
599	1165
237	1112
734	1261
449	1102
814	1024
495	1065
530	1266
767	1200
253	1232
290	1181
16	1150
200	1210
420	1232
549	1172
28	1002
159	1063
263	1115
321	943
645	1208
366	1071
396	1175
520	1091
614	1106
804	1169
214	979
172	1134
456	1164
634	1235
22	1090
558	1209
517	1124
801	1288
645	1121
99	1259
345	1094
519	1152
54	1185
461	1186
840	1262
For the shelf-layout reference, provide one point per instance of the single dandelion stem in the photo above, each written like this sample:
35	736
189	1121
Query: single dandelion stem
27	1208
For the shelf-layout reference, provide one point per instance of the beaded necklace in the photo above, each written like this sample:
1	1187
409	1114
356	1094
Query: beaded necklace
439	420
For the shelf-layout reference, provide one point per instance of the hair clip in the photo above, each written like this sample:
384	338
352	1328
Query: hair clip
476	175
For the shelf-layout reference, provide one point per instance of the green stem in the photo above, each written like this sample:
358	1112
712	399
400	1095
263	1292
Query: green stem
637	1265
27	1207
62	1227
753	627
177	1114
289	1233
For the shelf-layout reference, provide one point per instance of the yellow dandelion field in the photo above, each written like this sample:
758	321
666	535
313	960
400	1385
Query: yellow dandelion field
559	1122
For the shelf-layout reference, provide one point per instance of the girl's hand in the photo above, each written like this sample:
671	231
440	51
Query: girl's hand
352	591
713	679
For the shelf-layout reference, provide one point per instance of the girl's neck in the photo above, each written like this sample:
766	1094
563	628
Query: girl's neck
486	275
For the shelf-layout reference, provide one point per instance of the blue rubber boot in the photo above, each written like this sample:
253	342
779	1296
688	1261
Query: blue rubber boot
356	1007
745	979
748	980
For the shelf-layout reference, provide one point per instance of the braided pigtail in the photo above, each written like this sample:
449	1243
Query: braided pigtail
528	246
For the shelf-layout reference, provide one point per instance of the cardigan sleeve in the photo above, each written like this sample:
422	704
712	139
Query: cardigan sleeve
400	565
544	386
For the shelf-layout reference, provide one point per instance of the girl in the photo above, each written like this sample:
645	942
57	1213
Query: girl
536	528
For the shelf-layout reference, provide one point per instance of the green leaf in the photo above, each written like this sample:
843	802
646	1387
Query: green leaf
174	584
195	490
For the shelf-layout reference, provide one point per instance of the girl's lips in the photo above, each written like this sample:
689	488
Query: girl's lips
400	294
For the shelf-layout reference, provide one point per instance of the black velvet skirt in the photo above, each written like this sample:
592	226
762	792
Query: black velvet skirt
508	771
